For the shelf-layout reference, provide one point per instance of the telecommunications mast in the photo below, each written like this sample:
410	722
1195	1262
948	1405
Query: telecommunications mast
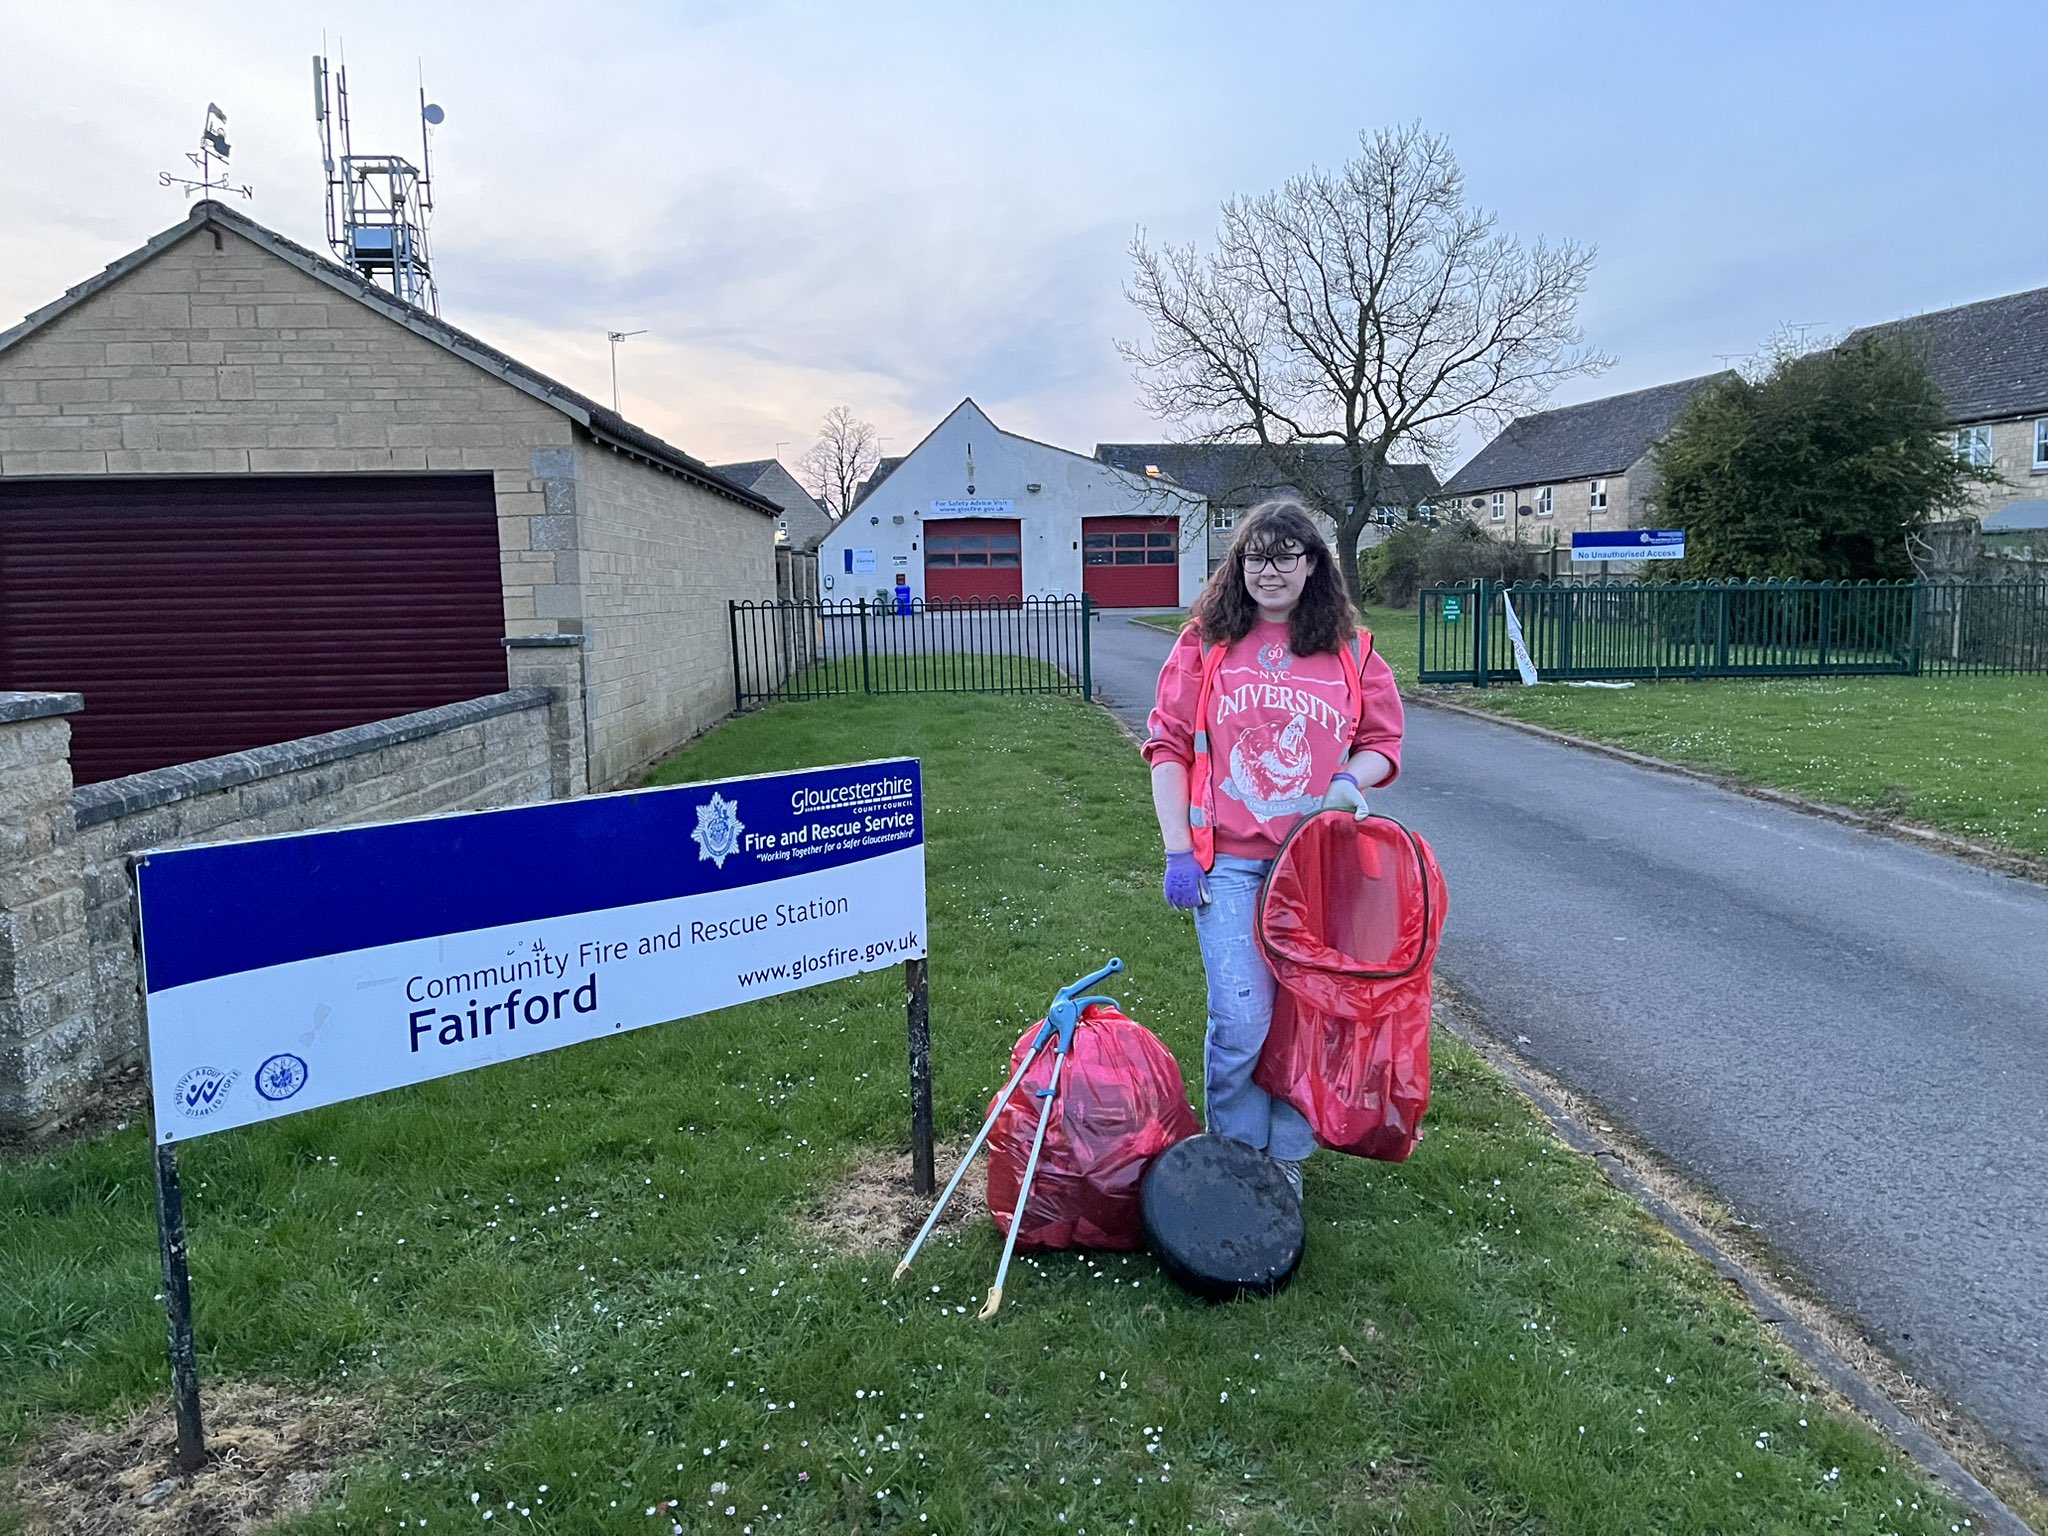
377	205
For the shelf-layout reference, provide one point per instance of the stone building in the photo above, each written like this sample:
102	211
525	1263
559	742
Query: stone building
246	497
1579	468
804	521
1990	362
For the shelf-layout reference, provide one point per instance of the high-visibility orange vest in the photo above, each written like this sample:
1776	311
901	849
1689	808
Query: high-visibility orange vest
1201	776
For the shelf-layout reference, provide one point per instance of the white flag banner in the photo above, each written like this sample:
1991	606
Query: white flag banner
1523	664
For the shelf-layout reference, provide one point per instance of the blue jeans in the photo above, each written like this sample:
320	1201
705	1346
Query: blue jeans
1240	1012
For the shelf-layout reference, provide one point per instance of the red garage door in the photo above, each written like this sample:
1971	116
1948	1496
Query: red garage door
973	557
202	616
1131	562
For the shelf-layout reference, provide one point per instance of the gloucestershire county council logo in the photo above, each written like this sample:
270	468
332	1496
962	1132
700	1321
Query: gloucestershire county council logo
202	1091
718	829
281	1077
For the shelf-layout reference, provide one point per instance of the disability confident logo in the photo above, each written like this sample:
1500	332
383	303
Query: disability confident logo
719	830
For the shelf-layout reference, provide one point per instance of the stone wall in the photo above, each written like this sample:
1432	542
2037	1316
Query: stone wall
69	1017
2012	456
216	357
658	560
46	1011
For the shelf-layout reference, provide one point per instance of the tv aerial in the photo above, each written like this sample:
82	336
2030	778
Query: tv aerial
377	205
210	159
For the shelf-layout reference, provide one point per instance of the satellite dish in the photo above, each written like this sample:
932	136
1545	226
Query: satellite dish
432	113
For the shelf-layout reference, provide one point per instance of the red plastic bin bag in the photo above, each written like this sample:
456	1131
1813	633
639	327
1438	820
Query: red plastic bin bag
1348	920
1121	1103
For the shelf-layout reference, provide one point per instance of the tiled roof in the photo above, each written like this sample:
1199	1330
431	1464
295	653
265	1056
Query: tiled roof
806	520
1989	359
1577	442
883	469
1238	474
607	426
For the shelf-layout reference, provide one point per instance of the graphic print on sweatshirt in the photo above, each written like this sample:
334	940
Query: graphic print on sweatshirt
1272	762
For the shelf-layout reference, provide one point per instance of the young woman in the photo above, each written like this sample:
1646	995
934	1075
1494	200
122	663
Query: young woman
1272	705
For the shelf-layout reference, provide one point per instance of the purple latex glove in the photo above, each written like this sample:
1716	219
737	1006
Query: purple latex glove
1186	886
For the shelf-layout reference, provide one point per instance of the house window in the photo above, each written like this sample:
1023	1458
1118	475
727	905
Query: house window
1500	506
1596	496
1973	444
782	530
2041	443
1223	519
1544	505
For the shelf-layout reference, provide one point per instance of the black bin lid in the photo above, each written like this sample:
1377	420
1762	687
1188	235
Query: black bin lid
1221	1218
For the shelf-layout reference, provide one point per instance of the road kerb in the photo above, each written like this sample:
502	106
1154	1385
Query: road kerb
1867	1396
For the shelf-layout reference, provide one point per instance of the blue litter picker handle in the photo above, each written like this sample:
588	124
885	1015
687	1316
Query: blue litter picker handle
1064	1016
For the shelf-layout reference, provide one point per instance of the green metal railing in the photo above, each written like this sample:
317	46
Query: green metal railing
1734	629
788	650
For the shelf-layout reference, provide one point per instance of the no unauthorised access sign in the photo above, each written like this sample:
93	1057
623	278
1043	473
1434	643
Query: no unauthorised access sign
1630	544
284	973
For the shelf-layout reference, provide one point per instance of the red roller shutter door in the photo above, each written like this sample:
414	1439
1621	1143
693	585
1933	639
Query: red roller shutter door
209	615
973	558
1131	562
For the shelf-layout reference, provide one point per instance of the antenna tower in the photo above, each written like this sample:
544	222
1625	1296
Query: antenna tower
211	158
377	205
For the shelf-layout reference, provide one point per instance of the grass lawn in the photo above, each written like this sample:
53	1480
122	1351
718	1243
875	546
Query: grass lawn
1966	754
574	1289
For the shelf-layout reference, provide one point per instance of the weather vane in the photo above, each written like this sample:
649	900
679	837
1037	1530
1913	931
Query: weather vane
211	157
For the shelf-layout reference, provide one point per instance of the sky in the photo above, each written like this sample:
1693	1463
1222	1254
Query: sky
893	205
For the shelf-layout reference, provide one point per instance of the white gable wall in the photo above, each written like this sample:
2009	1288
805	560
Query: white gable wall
1071	487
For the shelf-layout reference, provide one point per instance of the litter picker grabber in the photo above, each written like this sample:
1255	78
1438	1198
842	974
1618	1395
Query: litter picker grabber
1061	1020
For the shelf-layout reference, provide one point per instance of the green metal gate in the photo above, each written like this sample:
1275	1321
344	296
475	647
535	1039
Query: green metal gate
1734	629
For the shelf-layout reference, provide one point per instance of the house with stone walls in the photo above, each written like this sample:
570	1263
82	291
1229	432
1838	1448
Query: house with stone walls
1235	477
1990	362
246	497
1578	468
804	521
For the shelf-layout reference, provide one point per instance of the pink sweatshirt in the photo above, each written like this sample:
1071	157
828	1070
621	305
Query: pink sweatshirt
1279	725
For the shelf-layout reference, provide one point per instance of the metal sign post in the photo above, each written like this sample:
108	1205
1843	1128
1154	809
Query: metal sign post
170	1230
917	987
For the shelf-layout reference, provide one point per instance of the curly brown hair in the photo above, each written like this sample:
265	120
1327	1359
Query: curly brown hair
1324	619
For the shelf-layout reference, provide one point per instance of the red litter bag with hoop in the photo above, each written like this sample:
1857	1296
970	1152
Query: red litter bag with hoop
1120	1104
1348	920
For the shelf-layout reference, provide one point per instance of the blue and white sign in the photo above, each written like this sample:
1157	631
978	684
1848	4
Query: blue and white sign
284	973
1630	544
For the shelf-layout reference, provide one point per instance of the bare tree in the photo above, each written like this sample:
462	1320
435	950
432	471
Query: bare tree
845	454
1366	307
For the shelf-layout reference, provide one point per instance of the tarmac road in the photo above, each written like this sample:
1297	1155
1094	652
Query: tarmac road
1844	1036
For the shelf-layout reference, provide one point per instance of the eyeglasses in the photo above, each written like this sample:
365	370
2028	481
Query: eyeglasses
1282	561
